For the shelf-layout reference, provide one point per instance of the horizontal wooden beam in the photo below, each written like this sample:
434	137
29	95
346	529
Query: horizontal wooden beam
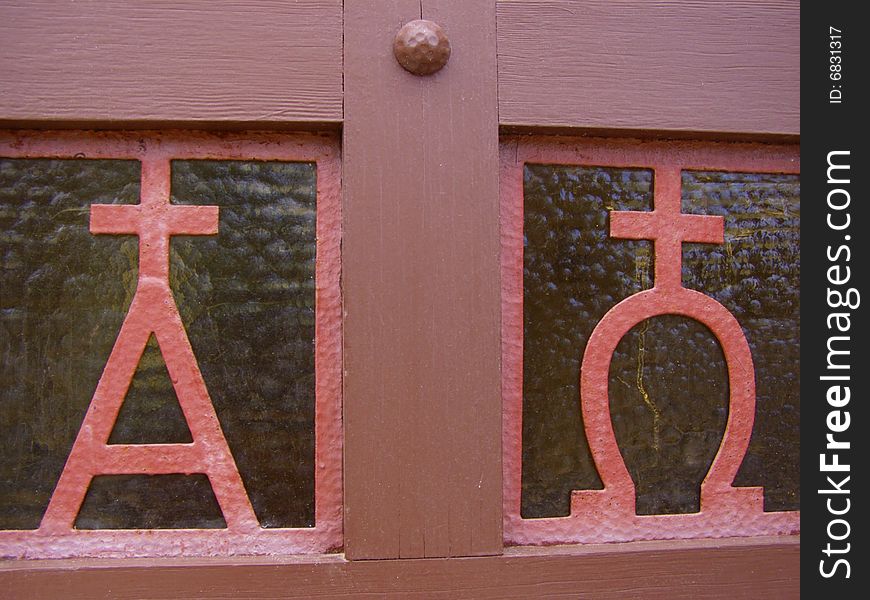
610	65
181	62
617	66
746	568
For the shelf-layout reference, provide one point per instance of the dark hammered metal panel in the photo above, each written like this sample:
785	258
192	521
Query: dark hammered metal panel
151	413
668	403
756	275
573	273
150	502
63	296
246	297
668	383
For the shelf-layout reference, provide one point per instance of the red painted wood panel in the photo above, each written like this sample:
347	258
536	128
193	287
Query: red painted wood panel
420	283
268	62
702	66
730	569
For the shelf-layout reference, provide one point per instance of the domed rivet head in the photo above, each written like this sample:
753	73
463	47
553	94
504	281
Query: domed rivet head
421	47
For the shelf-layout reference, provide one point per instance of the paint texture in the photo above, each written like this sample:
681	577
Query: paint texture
124	470
641	440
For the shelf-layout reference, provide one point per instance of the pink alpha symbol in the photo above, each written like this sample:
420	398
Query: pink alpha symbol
725	510
153	311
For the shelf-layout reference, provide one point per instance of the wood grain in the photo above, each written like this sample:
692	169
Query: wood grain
732	569
110	62
702	66
420	282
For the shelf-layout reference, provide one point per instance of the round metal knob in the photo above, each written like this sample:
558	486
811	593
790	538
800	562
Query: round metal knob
421	47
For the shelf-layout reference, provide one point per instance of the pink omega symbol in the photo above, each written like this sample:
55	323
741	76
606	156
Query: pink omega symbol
723	507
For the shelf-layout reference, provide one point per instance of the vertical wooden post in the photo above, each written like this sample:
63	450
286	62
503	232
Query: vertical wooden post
421	290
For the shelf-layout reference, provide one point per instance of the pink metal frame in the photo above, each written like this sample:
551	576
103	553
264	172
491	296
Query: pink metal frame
153	310
608	515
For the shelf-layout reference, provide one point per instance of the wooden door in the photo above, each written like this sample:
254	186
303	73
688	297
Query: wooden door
421	246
